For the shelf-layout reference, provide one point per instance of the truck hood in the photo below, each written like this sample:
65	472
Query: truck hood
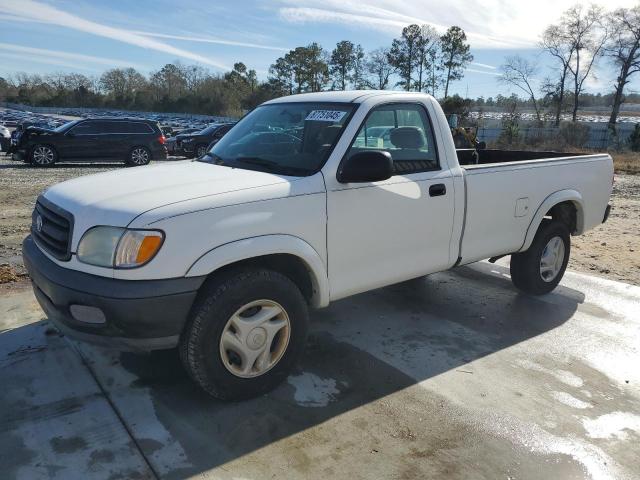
119	196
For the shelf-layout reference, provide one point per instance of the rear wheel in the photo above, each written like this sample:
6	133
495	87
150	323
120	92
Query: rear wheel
539	270
139	156
246	331
43	156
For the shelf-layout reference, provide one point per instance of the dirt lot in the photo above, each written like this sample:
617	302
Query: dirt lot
611	251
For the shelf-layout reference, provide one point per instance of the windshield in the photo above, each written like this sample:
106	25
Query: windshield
286	138
65	127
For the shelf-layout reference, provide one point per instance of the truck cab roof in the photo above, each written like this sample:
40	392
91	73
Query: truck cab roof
347	96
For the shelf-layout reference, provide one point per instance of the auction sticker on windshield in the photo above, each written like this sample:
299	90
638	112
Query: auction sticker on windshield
325	115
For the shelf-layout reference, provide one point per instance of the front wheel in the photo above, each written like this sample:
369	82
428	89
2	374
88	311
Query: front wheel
201	150
139	156
539	270
43	156
245	333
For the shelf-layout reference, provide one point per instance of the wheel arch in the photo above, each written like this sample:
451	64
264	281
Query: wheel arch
287	254
564	205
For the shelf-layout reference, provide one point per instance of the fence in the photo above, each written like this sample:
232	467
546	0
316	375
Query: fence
599	138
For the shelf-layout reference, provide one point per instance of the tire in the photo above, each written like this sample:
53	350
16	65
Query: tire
212	343
43	155
528	273
200	150
139	156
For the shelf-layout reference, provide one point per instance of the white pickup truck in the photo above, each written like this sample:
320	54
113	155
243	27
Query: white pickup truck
307	200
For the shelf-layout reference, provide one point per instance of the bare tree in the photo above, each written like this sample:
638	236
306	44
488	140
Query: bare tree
521	73
583	32
554	44
379	68
623	48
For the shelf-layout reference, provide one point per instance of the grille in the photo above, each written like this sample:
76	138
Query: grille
53	231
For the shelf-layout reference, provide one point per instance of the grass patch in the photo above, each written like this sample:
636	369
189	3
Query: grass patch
627	162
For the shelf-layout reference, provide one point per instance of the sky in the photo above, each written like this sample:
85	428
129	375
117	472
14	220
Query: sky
38	36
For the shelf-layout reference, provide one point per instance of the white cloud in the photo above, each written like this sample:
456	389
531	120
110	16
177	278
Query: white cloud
63	56
475	70
483	65
488	23
218	41
22	57
29	10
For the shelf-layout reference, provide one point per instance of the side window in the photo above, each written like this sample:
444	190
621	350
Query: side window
110	127
404	131
135	127
87	128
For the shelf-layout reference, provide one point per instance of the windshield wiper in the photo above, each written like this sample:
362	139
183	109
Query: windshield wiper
217	160
263	162
272	166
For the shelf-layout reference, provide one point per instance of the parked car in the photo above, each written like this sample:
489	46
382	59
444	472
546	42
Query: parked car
167	131
173	143
196	144
17	134
134	141
295	208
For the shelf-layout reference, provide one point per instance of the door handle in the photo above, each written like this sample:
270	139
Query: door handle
437	190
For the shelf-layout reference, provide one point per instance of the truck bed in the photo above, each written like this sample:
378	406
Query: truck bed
505	189
470	156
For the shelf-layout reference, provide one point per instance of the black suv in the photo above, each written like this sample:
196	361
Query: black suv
199	143
133	141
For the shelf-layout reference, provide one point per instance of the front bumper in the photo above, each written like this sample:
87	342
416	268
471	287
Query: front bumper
138	315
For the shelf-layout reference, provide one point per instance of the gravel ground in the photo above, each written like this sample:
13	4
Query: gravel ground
611	250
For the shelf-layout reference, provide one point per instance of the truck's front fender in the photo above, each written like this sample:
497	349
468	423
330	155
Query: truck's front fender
548	203
268	245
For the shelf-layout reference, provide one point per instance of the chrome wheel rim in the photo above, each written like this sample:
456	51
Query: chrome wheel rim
552	259
255	338
201	151
140	156
43	155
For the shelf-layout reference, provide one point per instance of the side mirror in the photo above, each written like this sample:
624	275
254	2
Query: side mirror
369	166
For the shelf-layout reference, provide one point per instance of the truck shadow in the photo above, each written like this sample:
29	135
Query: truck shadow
360	350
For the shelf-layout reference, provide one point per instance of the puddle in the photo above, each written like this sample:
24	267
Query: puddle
612	425
313	391
570	400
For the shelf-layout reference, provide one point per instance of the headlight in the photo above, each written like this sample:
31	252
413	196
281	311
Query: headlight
119	247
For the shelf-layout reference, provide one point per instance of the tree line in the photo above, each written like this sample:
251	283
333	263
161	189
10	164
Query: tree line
419	60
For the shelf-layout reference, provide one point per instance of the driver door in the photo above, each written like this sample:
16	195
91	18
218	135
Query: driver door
380	233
